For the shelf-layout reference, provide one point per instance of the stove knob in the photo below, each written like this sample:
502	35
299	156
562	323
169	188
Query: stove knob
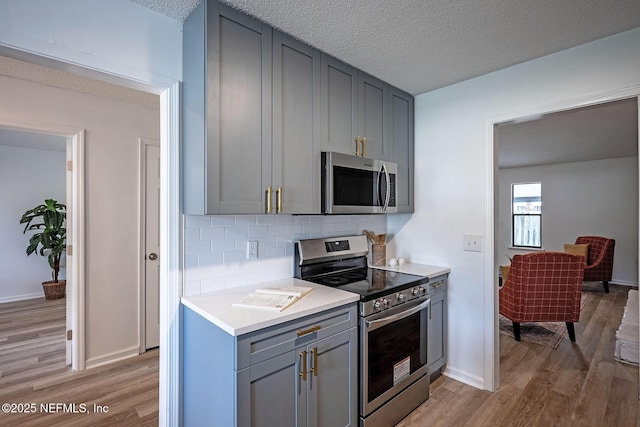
422	290
414	292
400	297
376	305
385	303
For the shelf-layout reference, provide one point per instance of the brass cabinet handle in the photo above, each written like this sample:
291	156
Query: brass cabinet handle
268	199
358	145
437	285
314	367
309	331
303	374
279	199
364	147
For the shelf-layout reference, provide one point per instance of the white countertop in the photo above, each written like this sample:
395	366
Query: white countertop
431	271
216	306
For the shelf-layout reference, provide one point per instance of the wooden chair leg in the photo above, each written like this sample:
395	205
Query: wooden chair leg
572	331
516	330
606	286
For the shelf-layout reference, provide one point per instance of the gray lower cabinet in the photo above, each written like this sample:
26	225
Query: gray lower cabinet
401	125
272	377
437	340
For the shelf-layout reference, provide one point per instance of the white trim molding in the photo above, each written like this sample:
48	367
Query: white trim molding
170	247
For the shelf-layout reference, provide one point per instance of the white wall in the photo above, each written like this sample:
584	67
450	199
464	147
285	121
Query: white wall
111	202
453	184
28	176
215	246
115	36
596	198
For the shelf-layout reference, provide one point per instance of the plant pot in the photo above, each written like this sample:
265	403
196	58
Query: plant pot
54	290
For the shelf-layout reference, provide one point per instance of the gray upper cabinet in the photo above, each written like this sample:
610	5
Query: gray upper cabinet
260	106
401	125
373	109
339	106
355	109
296	125
250	110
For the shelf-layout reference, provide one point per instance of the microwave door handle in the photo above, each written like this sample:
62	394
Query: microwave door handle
388	187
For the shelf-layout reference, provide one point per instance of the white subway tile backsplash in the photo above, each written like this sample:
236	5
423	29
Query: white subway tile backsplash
215	246
211	233
197	247
233	232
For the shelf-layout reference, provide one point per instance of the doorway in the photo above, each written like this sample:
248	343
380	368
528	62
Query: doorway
631	97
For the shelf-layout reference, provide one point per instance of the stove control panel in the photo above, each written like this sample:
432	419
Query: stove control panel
392	300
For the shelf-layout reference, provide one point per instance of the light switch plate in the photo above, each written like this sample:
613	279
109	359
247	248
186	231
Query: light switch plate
252	249
472	243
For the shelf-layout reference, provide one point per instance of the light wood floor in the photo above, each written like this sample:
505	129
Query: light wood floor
578	384
33	372
574	385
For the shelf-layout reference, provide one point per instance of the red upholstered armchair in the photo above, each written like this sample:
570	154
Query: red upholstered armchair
543	287
600	259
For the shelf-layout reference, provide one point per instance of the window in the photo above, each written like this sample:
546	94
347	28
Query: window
526	211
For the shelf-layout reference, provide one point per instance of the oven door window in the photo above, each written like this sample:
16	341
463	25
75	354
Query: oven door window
355	187
396	351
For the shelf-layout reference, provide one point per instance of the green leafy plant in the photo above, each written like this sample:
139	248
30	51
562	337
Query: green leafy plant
50	240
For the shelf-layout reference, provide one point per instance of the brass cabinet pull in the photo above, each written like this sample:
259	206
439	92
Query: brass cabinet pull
358	145
314	367
269	199
303	374
279	199
437	285
309	331
364	147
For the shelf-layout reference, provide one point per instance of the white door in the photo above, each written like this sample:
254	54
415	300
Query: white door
151	242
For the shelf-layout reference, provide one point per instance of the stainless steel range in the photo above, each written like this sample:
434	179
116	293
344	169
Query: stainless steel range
393	308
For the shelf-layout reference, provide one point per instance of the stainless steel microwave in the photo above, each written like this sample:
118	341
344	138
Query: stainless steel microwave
357	185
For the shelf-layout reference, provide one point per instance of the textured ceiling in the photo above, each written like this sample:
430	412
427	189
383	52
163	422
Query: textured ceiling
422	45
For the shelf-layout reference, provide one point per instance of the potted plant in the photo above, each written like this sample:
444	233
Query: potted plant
49	240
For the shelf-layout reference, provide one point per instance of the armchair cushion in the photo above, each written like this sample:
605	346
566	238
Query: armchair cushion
582	250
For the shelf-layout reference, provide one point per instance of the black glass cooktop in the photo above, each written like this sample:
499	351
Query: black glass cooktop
369	283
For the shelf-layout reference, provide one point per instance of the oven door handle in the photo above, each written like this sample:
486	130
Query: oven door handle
375	324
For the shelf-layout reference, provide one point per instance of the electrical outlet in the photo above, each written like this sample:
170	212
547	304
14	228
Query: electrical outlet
472	243
252	249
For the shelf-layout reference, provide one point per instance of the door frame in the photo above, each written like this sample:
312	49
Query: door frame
75	307
491	324
142	235
169	89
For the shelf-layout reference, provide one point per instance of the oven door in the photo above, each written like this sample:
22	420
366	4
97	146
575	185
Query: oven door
393	353
352	184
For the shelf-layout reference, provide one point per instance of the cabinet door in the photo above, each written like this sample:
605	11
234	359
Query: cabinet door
437	345
401	124
269	393
296	125
339	106
333	381
239	112
373	116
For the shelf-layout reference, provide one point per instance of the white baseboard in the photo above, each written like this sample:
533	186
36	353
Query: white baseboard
21	297
116	356
465	377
